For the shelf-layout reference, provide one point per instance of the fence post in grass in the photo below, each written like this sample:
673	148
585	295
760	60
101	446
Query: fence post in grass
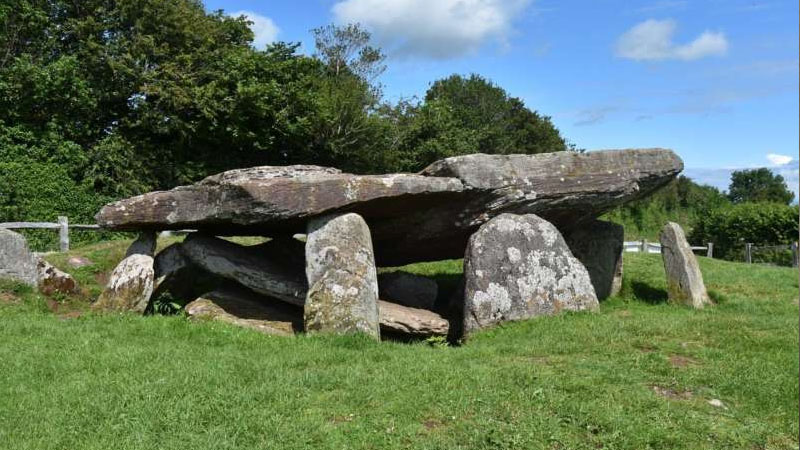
748	253
643	247
794	254
710	253
63	233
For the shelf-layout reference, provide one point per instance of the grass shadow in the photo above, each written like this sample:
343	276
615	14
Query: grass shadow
648	294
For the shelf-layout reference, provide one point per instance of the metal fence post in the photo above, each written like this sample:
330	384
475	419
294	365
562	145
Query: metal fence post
63	233
643	248
748	253
710	253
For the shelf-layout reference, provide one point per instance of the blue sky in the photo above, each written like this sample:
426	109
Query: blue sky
715	80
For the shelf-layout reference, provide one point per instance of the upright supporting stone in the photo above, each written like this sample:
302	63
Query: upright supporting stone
343	284
130	286
132	282
684	280
145	244
63	233
519	267
598	245
710	250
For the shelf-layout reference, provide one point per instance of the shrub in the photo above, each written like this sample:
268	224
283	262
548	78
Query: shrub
40	192
761	224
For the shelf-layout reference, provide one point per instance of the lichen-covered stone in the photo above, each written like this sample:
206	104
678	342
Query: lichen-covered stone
407	289
130	286
340	268
598	246
51	280
17	263
519	267
684	280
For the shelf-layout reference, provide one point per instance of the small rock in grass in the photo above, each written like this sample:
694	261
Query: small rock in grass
79	261
717	403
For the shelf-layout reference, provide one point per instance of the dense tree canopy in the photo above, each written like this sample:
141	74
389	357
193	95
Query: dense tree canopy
758	185
117	98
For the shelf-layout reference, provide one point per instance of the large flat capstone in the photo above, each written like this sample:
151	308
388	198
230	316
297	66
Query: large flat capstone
412	217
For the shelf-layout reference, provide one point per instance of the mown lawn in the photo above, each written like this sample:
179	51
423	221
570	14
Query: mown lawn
639	374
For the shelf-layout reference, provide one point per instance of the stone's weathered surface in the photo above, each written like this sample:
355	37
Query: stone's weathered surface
246	265
145	244
17	263
130	286
408	289
246	309
52	280
564	188
412	217
518	267
411	321
598	246
684	280
343	283
77	261
266	200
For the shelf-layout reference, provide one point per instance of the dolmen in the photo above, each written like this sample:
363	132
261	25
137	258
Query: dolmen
526	225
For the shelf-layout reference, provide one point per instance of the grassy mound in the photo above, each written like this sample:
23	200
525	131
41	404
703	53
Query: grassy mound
639	374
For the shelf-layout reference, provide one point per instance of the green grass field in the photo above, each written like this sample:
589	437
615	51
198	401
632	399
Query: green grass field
638	374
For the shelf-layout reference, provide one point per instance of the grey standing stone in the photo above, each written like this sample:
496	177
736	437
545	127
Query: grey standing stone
408	289
598	246
130	286
17	263
518	267
145	244
343	284
684	280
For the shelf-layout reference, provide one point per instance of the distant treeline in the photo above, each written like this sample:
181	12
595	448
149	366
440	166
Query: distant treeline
755	209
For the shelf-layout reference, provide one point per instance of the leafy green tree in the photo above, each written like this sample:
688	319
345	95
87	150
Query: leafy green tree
758	185
347	132
504	123
466	115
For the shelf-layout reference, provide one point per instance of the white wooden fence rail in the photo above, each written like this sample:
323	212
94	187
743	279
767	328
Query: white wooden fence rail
62	226
651	247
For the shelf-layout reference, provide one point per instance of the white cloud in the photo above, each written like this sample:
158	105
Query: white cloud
652	40
263	27
438	29
779	160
